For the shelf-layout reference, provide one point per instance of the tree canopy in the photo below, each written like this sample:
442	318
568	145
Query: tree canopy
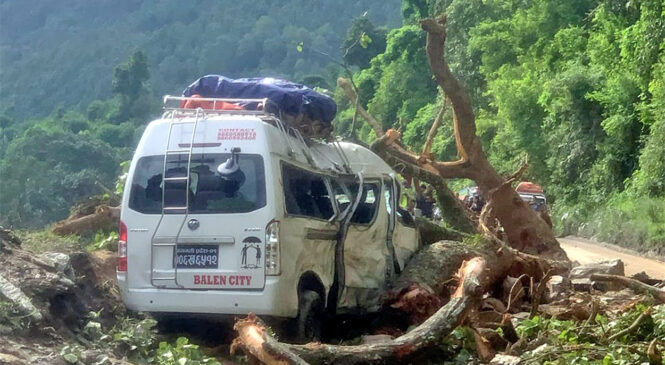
578	86
574	85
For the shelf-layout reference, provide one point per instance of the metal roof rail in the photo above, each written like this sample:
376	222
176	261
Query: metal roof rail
210	105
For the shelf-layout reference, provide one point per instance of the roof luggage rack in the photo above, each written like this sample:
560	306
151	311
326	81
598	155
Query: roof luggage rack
185	105
299	127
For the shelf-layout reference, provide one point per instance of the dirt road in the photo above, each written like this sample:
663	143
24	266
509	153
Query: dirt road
586	252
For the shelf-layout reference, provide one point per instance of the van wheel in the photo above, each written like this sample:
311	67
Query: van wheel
310	317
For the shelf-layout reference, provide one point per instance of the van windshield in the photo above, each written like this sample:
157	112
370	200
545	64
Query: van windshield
208	191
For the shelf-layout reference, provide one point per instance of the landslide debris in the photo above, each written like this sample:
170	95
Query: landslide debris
46	301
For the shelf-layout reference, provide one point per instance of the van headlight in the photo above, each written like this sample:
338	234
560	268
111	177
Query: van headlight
273	248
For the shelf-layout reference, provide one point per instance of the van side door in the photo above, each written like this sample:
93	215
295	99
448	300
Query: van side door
366	255
308	227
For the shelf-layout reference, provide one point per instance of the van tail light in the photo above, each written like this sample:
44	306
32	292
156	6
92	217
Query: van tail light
273	249
122	248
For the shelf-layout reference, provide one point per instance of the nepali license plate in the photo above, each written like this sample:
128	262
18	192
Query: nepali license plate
197	257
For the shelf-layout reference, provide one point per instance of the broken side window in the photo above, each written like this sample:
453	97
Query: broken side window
369	203
306	193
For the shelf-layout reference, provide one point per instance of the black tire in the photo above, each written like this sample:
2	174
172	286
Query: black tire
310	317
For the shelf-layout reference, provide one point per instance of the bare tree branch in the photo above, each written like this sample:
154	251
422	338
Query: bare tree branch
345	84
427	149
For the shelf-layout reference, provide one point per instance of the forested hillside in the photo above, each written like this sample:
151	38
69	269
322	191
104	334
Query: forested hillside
82	78
63	52
578	86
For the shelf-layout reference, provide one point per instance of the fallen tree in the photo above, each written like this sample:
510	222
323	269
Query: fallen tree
420	290
480	268
525	230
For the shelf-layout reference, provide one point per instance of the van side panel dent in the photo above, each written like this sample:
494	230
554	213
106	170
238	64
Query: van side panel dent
405	240
366	255
311	258
303	252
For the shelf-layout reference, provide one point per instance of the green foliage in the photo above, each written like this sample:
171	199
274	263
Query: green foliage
49	164
105	241
122	178
65	53
569	342
46	241
400	81
135	338
363	42
48	174
183	353
633	221
577	86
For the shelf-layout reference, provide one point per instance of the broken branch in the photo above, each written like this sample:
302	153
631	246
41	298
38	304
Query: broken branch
253	338
103	217
632	328
538	294
637	286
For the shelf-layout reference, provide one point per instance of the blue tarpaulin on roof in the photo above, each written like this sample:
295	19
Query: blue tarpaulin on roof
291	98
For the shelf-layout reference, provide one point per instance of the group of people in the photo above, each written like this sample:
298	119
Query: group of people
422	202
475	202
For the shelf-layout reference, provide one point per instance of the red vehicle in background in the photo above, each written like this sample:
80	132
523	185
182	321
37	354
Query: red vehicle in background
533	194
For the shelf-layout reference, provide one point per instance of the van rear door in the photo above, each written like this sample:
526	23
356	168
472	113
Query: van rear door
210	234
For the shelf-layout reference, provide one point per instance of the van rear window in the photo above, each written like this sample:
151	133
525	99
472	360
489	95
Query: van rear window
209	192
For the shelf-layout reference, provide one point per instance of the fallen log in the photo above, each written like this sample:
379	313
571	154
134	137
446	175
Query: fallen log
104	217
253	337
637	286
428	334
480	269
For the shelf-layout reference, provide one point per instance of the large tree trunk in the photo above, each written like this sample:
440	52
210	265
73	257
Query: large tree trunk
525	230
453	212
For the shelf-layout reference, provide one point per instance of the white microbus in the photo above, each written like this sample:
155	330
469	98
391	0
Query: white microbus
232	211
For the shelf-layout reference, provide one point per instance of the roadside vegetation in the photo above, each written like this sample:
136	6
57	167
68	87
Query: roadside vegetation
577	87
